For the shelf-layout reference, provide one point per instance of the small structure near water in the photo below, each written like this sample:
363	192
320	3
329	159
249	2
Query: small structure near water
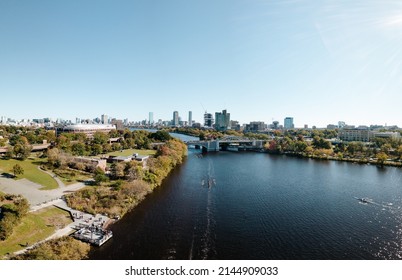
94	235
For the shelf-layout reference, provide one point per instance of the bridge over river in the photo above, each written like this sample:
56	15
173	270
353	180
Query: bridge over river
229	143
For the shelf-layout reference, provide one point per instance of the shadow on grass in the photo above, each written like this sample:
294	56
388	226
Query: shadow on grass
37	163
7	175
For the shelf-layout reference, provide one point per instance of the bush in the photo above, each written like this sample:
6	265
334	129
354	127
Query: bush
65	248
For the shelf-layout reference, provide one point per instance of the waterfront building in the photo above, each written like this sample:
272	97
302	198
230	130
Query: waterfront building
175	121
222	121
361	134
288	123
208	120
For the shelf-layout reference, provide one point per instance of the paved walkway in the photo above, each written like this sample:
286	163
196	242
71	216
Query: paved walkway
31	191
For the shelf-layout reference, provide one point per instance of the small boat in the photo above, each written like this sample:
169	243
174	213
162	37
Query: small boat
364	199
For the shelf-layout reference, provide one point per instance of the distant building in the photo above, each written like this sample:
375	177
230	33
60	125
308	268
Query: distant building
208	120
88	129
255	127
104	119
332	126
341	124
275	125
222	121
118	123
175	121
235	125
306	126
288	123
360	134
392	135
77	120
190	118
151	118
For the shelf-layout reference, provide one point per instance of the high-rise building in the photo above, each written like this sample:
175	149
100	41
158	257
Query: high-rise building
151	118
208	120
77	120
190	118
3	120
288	123
222	121
104	119
175	121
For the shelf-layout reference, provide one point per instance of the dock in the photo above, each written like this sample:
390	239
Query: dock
88	228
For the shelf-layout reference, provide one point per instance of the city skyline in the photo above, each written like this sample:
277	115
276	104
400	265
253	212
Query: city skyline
262	61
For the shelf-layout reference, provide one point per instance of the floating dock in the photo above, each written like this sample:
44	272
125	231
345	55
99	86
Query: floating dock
93	235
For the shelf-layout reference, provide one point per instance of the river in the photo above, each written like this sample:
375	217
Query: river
258	206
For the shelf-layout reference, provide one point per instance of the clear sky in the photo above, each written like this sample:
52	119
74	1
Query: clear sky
317	61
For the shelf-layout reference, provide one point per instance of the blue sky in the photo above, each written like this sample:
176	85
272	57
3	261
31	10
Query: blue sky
318	61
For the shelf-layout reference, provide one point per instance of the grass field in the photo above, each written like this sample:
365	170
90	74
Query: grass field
31	172
130	152
35	227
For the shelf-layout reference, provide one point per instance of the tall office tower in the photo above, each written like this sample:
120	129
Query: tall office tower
151	118
288	123
208	120
104	119
77	120
222	121
175	121
190	118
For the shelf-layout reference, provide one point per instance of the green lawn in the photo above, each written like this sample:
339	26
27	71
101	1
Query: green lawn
31	172
130	152
69	177
35	227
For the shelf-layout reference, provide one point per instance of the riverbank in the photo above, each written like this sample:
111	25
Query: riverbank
351	160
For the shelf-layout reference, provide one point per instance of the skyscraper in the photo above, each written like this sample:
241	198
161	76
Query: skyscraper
288	123
175	121
151	118
190	118
222	121
208	120
104	119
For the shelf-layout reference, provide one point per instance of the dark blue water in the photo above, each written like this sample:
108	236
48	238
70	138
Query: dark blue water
258	206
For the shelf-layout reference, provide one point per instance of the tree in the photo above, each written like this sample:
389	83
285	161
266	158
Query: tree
22	151
78	149
100	176
18	170
161	135
381	158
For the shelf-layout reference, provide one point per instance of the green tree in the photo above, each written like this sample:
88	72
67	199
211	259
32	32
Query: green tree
78	149
22	150
381	158
100	176
18	170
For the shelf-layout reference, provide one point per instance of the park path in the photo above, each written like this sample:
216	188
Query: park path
57	179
